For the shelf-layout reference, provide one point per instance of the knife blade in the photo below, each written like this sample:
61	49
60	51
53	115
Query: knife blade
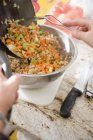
89	89
76	91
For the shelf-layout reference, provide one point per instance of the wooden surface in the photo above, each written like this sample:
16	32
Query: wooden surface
46	122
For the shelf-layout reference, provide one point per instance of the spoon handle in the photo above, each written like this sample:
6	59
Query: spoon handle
5	63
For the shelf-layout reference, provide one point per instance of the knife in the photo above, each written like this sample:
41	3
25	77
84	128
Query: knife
89	89
76	91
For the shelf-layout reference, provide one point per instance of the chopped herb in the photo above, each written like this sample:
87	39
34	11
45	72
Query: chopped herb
32	49
33	26
33	61
24	46
41	32
18	37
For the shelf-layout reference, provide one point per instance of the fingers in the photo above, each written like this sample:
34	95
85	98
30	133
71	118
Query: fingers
13	84
8	92
13	81
84	29
79	35
77	22
2	77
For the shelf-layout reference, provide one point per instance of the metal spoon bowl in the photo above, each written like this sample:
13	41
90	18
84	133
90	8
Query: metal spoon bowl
7	50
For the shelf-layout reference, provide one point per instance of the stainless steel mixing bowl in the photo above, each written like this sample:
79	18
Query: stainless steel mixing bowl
67	48
26	11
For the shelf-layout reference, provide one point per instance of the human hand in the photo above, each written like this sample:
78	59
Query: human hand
8	92
84	29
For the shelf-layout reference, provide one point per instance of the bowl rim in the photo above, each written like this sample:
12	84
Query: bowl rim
62	68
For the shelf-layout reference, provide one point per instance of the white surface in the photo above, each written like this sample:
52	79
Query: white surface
42	96
84	76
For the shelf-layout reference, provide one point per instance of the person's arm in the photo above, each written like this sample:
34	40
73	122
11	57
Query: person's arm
8	95
84	29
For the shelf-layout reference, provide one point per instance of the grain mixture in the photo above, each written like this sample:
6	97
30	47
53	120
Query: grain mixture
39	48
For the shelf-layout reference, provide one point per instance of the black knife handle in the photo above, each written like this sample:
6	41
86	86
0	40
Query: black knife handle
69	102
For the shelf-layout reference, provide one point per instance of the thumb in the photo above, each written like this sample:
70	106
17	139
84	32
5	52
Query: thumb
13	82
79	35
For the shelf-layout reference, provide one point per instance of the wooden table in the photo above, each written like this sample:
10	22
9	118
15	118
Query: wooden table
46	121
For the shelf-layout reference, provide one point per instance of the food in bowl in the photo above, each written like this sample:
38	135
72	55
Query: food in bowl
40	49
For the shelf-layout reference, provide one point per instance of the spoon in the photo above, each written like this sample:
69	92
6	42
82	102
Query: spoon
8	11
3	47
36	18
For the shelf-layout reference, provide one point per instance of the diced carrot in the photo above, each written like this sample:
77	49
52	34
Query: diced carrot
43	42
20	47
40	61
16	42
8	41
46	33
27	39
16	32
37	28
28	53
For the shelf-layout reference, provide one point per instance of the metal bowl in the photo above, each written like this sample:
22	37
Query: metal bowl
8	11
67	48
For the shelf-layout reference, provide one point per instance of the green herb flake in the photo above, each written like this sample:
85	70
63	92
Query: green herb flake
33	61
18	37
24	46
41	32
